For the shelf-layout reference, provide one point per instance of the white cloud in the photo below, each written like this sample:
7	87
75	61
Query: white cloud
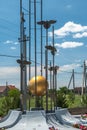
78	60
16	43
13	48
69	67
6	72
80	35
8	42
11	75
11	42
70	28
69	44
38	70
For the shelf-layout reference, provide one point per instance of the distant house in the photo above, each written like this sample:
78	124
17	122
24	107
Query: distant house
78	90
4	89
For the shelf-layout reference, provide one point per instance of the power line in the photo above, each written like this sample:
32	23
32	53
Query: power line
3	55
70	72
10	56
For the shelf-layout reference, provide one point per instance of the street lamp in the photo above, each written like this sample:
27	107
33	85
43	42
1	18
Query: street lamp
46	25
52	49
24	62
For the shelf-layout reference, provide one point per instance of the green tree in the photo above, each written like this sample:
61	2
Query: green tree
64	90
5	105
84	100
71	98
61	100
10	102
14	95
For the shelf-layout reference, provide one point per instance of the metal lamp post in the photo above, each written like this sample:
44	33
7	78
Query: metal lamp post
46	25
53	51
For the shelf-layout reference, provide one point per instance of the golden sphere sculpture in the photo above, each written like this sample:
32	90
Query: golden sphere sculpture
41	85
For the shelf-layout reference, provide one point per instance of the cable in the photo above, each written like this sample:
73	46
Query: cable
9	56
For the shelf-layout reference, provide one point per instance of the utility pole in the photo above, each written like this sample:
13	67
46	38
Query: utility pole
84	78
73	74
22	61
72	78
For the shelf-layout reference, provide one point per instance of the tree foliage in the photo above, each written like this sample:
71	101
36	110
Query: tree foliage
71	97
64	90
14	95
61	100
84	100
10	102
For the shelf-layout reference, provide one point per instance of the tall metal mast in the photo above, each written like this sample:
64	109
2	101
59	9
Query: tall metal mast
22	61
29	38
41	39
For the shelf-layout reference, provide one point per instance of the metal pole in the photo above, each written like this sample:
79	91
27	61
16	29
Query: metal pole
53	70
41	40
41	47
46	64
83	83
29	38
55	86
73	79
24	75
29	44
35	52
51	84
85	77
46	25
21	53
21	42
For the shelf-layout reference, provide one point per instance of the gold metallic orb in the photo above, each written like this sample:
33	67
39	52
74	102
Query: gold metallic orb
41	85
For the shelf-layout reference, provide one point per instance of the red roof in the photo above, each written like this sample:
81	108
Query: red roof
11	87
2	88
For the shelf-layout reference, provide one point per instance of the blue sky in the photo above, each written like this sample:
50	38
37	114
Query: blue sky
70	37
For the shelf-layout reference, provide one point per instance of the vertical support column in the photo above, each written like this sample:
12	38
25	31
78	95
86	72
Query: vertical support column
21	43
53	70
23	77
29	44
46	64
35	44
51	84
73	79
29	38
41	40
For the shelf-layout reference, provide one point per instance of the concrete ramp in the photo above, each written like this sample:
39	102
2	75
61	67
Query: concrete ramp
5	117
66	118
33	120
53	121
38	120
11	119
